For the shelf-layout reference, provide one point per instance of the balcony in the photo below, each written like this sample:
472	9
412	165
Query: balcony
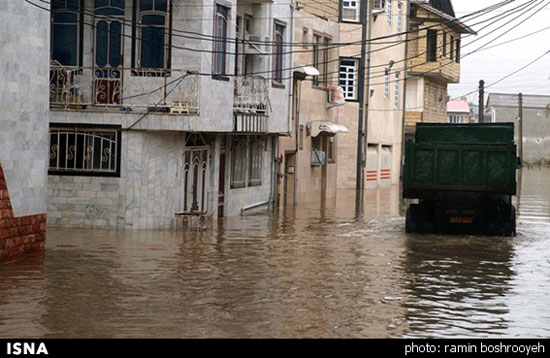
251	95
124	89
251	104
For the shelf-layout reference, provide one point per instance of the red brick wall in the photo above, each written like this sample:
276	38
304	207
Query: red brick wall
22	236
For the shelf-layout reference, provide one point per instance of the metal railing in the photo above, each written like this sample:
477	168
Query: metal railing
251	95
78	87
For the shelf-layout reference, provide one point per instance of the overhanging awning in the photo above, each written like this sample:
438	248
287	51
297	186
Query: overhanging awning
318	127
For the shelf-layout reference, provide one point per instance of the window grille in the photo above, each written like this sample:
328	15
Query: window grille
84	151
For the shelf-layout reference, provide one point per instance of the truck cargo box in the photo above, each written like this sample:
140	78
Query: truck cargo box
460	158
464	177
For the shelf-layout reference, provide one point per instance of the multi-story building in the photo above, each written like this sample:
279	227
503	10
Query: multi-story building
160	107
23	129
433	60
308	161
384	91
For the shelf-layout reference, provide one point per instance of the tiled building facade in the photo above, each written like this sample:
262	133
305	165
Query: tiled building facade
23	129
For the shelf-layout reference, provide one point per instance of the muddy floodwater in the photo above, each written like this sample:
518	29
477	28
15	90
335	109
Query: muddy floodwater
315	272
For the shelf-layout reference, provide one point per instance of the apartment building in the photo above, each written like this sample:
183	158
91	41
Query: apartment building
160	107
307	163
384	91
23	129
434	52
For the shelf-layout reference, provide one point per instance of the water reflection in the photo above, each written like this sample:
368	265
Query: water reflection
457	286
319	272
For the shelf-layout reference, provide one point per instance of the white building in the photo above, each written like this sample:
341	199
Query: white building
157	109
23	129
458	111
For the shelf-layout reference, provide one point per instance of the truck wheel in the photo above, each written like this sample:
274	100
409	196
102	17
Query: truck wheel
411	219
510	225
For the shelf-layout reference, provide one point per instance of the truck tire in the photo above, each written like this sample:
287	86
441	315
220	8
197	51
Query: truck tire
510	225
412	218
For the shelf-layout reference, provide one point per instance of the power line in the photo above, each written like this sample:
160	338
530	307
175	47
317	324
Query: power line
508	75
270	71
214	51
230	40
423	53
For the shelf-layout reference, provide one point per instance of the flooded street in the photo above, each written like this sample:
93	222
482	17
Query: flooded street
315	273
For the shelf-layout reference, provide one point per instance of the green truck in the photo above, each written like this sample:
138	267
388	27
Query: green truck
464	177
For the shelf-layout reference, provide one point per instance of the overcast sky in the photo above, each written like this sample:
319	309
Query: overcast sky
495	63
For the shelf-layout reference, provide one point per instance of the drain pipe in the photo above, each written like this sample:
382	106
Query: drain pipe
256	205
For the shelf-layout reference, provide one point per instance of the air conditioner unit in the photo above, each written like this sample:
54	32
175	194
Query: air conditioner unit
317	157
378	4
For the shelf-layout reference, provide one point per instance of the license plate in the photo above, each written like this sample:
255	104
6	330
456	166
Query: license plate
461	220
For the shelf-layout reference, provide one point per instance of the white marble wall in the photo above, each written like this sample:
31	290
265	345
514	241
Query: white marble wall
24	53
146	195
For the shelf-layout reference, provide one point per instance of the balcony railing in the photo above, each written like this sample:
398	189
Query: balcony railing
251	95
128	89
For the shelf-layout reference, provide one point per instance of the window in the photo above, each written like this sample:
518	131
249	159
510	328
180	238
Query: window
348	78
396	91
109	46
399	17
452	50
431	45
305	37
378	4
238	162
78	150
255	161
389	13
278	63
153	40
456	119
350	10
387	83
457	57
220	41
325	64
444	47
330	149
316	42
66	32
247	161
317	153
248	22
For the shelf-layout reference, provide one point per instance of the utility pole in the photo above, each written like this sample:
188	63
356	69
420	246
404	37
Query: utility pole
481	115
361	95
520	127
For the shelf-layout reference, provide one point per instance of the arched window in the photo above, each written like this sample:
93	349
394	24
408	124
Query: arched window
220	41
278	60
66	32
153	34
